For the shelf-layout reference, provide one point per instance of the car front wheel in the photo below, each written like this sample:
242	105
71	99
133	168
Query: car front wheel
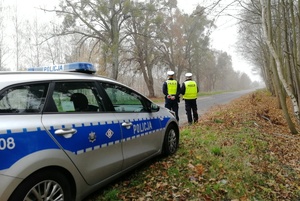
171	140
52	186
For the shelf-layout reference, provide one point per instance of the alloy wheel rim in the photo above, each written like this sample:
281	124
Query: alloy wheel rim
172	141
47	190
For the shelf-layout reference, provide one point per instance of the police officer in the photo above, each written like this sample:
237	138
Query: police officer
171	90
189	90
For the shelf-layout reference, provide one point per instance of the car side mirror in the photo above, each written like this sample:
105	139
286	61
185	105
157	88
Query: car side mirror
154	107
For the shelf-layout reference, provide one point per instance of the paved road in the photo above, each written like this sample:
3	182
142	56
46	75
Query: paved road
205	103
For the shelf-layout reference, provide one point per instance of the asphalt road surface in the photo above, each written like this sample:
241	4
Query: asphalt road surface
205	103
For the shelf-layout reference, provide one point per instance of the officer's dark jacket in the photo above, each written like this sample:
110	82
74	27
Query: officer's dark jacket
165	89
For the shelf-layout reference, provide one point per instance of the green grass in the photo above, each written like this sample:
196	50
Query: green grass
225	161
111	195
210	93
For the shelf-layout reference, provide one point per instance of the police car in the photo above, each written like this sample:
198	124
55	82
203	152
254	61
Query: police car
65	134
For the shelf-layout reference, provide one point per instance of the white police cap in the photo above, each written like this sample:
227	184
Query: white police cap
188	75
170	72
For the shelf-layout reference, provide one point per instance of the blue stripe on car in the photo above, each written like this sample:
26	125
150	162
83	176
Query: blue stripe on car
37	140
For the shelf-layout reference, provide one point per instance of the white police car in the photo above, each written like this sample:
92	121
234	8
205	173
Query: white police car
65	134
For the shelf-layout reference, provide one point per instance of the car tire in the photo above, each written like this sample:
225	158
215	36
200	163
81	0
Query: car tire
33	187
171	140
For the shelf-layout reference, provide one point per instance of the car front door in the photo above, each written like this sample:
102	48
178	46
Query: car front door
77	119
141	128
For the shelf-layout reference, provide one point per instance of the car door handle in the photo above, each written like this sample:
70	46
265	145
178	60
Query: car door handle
127	124
67	133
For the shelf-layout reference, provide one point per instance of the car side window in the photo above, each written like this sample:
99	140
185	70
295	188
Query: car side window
29	98
76	97
124	99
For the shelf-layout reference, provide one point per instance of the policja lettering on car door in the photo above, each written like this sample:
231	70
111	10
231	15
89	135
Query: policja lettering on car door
142	127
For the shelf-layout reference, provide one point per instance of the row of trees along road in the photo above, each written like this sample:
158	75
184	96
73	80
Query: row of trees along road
270	38
134	42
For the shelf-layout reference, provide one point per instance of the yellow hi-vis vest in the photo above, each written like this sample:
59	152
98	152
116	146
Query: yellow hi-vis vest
172	87
190	90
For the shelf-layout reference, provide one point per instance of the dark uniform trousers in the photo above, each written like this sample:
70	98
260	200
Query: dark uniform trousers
191	110
172	105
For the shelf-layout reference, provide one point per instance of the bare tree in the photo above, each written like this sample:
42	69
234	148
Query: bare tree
100	20
267	25
17	37
142	28
34	37
3	48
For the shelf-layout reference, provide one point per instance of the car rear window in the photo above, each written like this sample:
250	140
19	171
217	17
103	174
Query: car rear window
23	99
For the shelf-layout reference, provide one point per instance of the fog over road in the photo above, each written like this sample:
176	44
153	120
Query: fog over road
206	102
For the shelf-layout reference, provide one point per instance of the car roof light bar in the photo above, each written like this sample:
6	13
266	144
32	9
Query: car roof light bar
83	67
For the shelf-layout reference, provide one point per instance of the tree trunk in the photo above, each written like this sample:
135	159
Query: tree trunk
295	56
266	10
115	43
